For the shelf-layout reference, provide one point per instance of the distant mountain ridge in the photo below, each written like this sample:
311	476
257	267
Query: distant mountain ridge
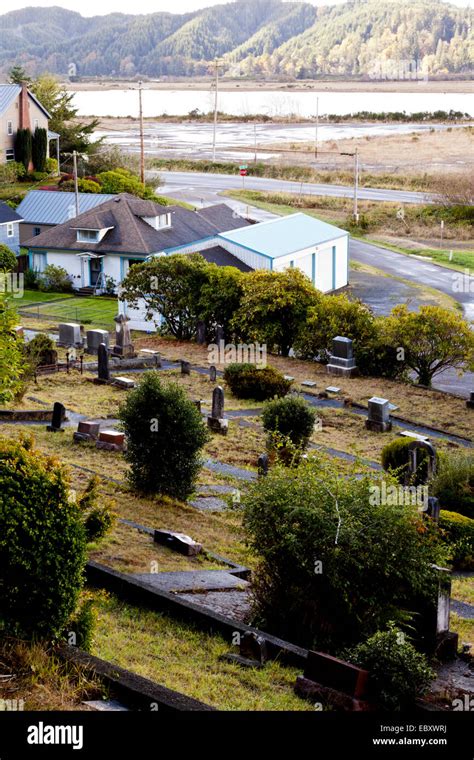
252	38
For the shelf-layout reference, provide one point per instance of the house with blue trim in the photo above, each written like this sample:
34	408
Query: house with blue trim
10	227
105	241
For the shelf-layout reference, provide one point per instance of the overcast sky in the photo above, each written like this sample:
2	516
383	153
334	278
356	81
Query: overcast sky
93	8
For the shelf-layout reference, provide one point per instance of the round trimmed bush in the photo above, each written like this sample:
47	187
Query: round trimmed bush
42	543
7	259
398	672
459	531
250	381
292	417
165	435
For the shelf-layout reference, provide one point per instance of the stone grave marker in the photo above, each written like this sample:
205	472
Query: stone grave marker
87	430
123	343
201	332
470	401
262	465
309	383
378	419
95	338
414	460
197	404
185	367
212	373
70	335
334	680
220	334
126	383
178	542
110	440
103	371
332	389
342	361
155	355
59	413
415	436
216	421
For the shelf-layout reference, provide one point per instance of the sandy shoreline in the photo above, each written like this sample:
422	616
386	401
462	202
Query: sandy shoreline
431	86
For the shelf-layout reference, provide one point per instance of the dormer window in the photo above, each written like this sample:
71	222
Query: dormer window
87	236
160	222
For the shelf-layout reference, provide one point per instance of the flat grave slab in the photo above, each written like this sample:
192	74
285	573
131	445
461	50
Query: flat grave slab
208	503
332	389
232	604
309	383
205	490
106	705
192	580
416	436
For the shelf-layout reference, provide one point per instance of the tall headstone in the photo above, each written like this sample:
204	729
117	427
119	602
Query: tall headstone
185	367
103	371
216	421
470	401
341	361
212	373
262	465
123	343
414	460
201	332
59	413
70	335
95	338
378	419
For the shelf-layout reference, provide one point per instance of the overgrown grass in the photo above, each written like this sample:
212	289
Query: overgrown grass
181	657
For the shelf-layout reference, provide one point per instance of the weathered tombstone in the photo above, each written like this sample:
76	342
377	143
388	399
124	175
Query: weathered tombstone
197	404
446	641
103	371
179	542
378	418
185	367
414	461
342	361
70	335
125	383
333	680
262	465
87	430
212	373
201	332
59	413
95	338
433	508
253	647
216	421
470	401
220	334
123	344
110	440
19	331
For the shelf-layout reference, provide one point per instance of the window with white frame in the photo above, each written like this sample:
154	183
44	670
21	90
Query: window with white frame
10	229
87	236
39	262
9	154
9	127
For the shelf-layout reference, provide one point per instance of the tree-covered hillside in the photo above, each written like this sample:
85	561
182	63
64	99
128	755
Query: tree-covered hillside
254	38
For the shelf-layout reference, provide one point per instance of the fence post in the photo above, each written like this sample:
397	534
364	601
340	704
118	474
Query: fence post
82	361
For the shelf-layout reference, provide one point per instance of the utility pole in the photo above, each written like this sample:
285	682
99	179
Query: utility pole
316	129
216	63
76	188
142	148
255	143
356	184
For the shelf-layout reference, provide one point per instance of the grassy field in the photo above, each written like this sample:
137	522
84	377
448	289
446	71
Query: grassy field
35	297
459	261
93	311
181	657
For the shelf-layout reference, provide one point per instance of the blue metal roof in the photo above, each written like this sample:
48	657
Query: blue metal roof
55	207
285	235
8	93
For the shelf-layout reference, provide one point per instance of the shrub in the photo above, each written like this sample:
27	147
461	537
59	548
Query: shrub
459	532
10	172
395	458
165	434
82	625
31	279
97	519
40	351
248	381
453	482
51	165
42	543
83	186
39	149
335	568
292	417
7	259
55	279
398	672
37	176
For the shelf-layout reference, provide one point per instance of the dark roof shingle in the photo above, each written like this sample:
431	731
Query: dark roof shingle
8	214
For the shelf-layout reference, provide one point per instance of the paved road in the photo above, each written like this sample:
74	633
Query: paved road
197	185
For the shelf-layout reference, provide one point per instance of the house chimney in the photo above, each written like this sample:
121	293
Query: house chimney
24	107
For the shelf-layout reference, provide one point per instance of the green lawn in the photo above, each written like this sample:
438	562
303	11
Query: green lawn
460	261
90	311
33	297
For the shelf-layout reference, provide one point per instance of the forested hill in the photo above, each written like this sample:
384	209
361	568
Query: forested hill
253	38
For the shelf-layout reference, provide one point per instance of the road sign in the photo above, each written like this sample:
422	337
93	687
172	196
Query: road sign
243	166
243	172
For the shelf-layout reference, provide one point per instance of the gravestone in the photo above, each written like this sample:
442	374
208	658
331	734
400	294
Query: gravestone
87	430
446	641
433	508
252	651
110	440
334	681
103	371
19	331
378	419
216	421
414	460
178	542
70	335
309	383
197	404
95	338
126	383
201	332
470	401
59	413
185	367
212	373
123	344
155	355
262	465
341	361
